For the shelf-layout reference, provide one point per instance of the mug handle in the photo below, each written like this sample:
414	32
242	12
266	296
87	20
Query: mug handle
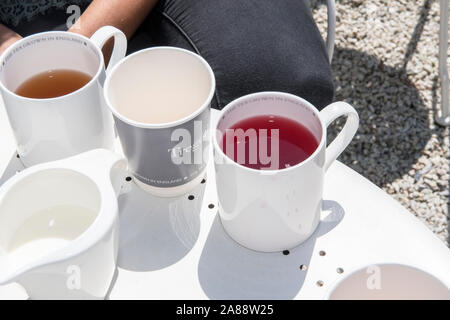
331	113
120	43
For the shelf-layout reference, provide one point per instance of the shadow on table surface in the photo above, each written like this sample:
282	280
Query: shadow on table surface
229	271
157	232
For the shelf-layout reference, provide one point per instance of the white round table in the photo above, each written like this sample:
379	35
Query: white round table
177	248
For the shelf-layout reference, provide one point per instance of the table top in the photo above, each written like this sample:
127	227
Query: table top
177	249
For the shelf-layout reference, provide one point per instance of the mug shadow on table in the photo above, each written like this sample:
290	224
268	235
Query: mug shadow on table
157	232
229	271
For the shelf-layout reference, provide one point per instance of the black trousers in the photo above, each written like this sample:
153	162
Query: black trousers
251	45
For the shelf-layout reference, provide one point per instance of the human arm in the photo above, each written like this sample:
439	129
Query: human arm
124	15
7	37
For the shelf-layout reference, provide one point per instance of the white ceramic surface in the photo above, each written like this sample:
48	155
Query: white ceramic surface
56	128
77	268
389	282
273	210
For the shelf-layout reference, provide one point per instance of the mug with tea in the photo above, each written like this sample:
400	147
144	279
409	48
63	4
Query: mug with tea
160	99
51	85
270	158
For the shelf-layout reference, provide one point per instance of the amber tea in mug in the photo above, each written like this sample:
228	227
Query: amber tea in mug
53	83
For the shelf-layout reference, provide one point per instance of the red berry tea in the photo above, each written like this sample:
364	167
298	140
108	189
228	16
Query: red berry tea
268	142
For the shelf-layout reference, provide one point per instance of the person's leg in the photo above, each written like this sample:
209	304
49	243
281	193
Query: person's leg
158	30
252	45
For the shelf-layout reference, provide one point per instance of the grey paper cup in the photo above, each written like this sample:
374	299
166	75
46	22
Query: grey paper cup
167	159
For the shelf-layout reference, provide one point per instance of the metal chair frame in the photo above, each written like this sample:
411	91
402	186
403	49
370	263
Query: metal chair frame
444	117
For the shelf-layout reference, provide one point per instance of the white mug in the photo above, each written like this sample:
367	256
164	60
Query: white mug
56	128
274	210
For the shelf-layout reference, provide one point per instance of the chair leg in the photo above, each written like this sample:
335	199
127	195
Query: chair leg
331	30
444	118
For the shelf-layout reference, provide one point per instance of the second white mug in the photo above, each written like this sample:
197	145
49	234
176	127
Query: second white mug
274	210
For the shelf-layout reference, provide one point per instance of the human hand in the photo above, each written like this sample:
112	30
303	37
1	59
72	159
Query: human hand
124	15
7	38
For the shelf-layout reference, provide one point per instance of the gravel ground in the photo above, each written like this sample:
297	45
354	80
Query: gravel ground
386	65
